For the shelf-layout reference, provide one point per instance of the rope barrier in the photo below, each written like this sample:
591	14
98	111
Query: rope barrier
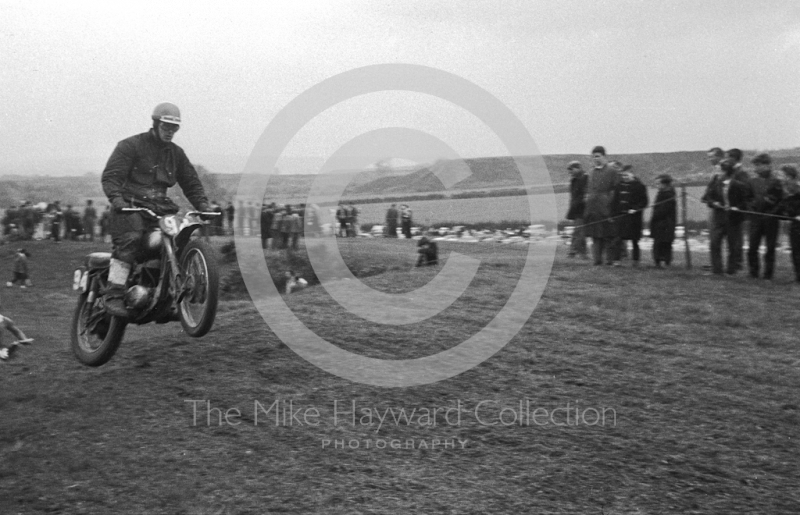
611	219
745	211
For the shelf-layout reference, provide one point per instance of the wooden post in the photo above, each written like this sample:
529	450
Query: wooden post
685	227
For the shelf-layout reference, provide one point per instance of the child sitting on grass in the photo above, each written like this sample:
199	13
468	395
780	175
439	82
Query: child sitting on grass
20	270
8	324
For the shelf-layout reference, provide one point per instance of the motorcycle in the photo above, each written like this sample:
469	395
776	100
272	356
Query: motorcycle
179	280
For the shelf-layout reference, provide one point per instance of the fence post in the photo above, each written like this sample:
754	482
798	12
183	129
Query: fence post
685	217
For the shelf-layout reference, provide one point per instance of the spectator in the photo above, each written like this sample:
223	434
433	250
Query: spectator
736	155
405	220
577	205
267	214
791	208
104	220
20	270
9	220
341	220
714	156
27	220
428	252
295	224
597	215
663	221
89	219
630	199
217	221
391	221
71	223
352	221
277	224
56	221
230	212
726	195
767	196
286	226
311	220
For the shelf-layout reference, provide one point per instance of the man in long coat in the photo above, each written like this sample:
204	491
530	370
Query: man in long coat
597	215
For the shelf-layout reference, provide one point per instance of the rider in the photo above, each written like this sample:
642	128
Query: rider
137	174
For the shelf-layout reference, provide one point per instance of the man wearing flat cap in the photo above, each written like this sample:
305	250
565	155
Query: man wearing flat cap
577	205
597	215
767	196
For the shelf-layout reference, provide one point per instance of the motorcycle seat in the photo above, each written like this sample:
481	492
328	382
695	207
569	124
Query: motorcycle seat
98	260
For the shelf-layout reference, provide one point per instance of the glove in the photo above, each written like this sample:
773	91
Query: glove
118	203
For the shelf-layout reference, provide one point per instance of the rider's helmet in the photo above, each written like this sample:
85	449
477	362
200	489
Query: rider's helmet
167	112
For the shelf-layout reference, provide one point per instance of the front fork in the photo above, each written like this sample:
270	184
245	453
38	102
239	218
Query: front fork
176	288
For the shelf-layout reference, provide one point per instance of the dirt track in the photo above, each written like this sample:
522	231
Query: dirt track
703	383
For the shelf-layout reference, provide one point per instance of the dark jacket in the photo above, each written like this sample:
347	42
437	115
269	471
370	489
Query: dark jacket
391	217
142	168
665	216
577	196
629	195
599	195
266	222
767	194
790	205
739	195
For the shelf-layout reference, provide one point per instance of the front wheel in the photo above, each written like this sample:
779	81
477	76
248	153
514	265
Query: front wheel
198	305
95	335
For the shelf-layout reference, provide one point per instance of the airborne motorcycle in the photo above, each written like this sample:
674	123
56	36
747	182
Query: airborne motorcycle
178	281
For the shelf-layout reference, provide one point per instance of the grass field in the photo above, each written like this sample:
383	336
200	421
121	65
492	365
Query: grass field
697	376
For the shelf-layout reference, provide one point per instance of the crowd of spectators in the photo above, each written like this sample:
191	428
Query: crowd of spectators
607	205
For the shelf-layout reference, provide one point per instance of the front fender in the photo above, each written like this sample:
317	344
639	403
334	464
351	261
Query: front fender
185	235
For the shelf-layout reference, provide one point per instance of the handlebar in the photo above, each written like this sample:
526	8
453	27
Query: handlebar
154	215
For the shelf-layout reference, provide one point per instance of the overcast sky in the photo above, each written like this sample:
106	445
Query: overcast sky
635	76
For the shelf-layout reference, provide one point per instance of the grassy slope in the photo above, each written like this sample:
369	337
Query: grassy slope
702	373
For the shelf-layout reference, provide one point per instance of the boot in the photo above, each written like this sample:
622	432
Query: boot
114	296
114	299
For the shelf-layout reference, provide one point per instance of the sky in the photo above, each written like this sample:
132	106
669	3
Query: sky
634	76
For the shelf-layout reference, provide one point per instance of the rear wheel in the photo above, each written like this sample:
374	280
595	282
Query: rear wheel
96	336
198	306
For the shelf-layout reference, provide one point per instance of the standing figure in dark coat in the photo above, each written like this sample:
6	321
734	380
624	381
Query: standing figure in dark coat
57	218
267	213
577	204
104	221
89	220
405	220
230	214
630	199
727	194
391	221
70	223
341	220
27	220
767	196
663	221
597	216
790	206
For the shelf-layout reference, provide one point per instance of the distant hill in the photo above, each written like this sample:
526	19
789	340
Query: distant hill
486	173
